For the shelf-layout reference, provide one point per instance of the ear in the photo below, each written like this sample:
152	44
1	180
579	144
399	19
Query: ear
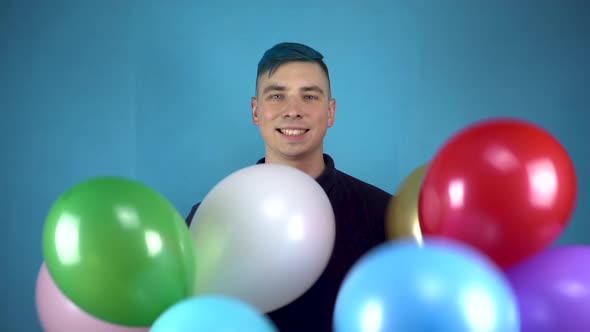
254	107
331	112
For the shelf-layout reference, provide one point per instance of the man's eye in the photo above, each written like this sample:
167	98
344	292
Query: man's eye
275	96
311	97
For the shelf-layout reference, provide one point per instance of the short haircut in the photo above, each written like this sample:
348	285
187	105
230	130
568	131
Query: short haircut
289	52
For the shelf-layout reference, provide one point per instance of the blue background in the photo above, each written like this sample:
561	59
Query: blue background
160	92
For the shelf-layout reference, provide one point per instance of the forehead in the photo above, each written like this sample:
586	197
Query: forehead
295	74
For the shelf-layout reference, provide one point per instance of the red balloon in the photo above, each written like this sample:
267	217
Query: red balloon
505	186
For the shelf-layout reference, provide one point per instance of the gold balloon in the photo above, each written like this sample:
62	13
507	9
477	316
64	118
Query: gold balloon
401	220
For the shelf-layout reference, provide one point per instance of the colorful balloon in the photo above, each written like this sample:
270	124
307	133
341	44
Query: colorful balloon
118	250
504	186
57	313
213	313
441	285
401	219
553	289
263	235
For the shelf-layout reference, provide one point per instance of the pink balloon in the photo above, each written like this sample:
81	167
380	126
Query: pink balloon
58	314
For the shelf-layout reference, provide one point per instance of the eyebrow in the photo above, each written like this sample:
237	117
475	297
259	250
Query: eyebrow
275	87
312	88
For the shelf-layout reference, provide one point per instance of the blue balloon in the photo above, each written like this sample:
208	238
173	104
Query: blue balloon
212	313
441	285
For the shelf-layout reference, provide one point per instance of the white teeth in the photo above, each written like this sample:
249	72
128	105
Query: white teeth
293	132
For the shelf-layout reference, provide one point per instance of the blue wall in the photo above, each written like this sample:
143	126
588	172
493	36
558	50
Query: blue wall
160	92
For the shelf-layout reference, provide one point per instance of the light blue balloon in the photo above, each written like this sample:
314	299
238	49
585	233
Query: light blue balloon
212	313
443	285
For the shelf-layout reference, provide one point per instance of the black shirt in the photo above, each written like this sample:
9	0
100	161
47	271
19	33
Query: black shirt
360	210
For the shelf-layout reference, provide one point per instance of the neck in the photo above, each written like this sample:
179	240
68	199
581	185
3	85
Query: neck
312	165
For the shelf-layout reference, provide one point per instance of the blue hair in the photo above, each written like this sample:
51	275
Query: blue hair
289	52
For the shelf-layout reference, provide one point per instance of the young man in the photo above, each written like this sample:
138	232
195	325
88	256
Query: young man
293	108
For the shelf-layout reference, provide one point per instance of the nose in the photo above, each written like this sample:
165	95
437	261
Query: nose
293	110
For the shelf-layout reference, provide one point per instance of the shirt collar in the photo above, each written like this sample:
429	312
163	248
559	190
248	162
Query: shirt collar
328	177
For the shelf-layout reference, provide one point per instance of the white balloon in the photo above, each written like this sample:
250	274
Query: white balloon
264	235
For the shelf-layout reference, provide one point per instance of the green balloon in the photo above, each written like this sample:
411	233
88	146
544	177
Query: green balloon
119	250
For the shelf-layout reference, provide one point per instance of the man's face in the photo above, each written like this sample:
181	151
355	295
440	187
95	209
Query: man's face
293	110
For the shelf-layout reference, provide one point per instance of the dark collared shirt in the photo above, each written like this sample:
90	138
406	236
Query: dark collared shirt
360	210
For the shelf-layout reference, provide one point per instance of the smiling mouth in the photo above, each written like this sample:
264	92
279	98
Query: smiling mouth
292	132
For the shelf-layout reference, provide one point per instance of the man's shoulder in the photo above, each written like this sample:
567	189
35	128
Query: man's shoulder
363	186
189	218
